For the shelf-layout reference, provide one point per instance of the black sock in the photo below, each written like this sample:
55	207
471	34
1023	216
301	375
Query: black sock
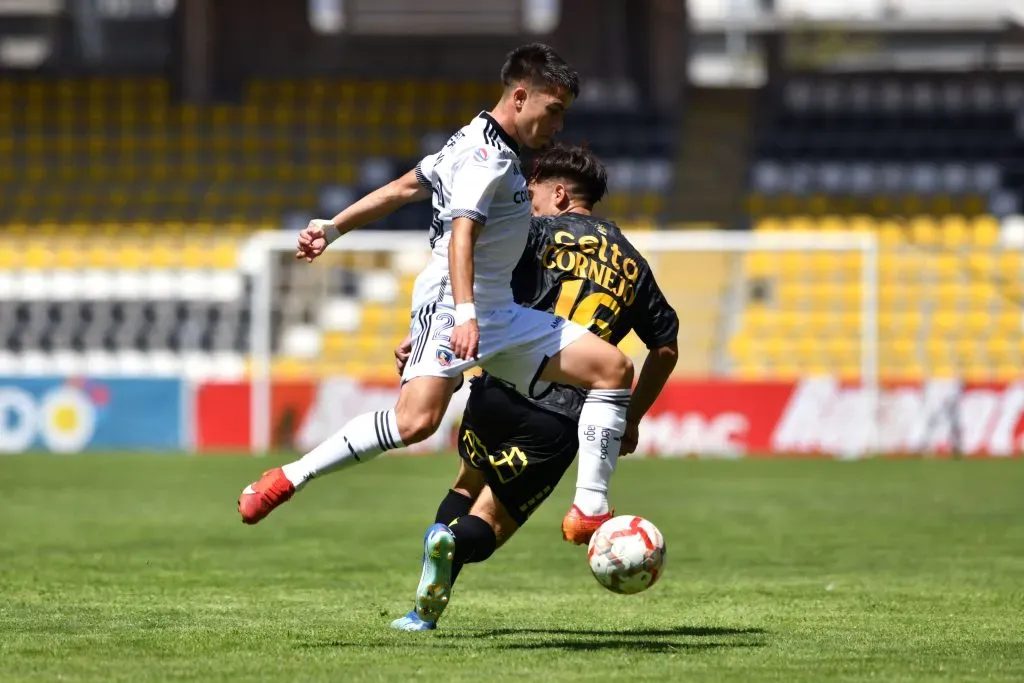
453	506
474	540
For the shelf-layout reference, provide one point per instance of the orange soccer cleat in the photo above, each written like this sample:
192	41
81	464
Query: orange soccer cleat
257	500
578	528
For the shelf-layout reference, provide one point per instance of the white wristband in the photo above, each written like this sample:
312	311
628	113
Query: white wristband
464	312
331	232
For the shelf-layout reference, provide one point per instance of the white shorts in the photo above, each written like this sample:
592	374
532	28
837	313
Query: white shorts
515	344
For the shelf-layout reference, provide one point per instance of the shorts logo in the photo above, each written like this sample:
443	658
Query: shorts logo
480	154
556	322
445	357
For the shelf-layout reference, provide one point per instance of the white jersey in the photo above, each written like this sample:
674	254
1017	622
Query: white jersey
476	175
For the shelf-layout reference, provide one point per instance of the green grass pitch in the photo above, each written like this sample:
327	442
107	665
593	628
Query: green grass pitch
137	568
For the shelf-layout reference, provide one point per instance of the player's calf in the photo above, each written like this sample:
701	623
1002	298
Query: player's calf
421	405
594	364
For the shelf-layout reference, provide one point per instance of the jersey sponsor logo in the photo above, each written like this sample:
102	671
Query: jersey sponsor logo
594	259
521	196
591	432
480	154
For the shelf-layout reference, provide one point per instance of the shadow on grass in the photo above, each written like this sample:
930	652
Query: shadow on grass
624	645
692	631
649	641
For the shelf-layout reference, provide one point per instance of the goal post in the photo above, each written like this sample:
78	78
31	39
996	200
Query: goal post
751	304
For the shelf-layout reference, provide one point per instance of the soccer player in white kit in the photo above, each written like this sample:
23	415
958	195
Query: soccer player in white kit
463	313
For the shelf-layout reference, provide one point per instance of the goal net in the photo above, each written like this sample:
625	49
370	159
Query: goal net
753	306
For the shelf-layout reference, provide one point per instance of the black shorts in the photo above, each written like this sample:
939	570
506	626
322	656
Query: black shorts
522	450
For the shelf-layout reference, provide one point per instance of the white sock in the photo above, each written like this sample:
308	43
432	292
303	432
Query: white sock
362	439
602	423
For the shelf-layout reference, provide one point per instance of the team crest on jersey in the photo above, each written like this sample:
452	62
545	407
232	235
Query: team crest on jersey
480	154
445	357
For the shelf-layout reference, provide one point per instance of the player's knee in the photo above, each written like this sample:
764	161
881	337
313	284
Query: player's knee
502	526
416	426
617	373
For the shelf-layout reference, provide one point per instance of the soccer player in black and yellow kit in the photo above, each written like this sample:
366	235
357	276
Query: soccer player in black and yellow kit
515	445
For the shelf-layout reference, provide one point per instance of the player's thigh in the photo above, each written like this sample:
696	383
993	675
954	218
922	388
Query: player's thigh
422	402
591	363
493	511
525	345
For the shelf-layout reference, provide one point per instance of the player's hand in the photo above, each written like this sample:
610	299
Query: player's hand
313	239
466	340
402	352
630	438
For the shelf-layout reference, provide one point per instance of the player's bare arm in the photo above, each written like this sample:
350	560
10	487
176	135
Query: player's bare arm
654	374
466	335
315	237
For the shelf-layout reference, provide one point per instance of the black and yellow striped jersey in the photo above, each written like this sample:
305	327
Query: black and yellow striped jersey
583	269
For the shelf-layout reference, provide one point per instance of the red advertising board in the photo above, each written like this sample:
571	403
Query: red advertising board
714	418
223	414
820	416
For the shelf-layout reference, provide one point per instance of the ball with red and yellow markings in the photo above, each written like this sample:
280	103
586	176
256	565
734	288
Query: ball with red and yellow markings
627	554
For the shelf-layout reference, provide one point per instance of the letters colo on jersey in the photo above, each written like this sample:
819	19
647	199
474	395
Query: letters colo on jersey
476	175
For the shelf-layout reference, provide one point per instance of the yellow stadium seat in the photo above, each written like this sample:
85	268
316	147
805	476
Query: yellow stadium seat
768	225
1007	372
760	263
791	263
1001	348
985	231
977	322
892	296
946	322
740	346
860	223
285	367
891	233
801	223
841	349
949	294
832	295
924	231
980	295
1010	265
376	316
982	263
832	223
369	344
944	370
790	323
949	265
1008	322
336	343
937	350
954	231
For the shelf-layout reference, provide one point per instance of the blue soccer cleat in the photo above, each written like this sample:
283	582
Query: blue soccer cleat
412	622
436	578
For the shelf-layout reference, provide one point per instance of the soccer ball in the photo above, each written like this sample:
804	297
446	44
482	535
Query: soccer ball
627	554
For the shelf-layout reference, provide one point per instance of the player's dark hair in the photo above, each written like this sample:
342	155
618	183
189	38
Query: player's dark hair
538	64
577	166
